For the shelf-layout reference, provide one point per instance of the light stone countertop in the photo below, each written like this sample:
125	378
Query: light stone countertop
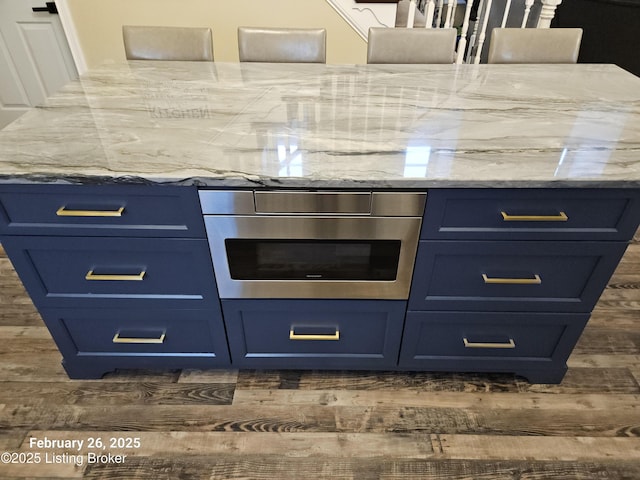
333	126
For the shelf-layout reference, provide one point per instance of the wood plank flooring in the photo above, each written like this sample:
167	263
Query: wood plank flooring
337	425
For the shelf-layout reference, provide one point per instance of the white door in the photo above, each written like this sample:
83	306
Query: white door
35	59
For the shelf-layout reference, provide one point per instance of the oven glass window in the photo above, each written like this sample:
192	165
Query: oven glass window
272	259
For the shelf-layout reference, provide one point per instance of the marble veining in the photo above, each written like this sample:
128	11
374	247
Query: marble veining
333	126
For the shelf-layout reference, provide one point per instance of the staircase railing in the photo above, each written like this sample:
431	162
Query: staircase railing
473	25
473	19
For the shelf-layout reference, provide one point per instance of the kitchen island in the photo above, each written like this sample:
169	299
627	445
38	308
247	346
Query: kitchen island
523	183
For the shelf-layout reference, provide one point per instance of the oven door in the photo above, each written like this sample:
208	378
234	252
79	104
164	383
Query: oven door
313	257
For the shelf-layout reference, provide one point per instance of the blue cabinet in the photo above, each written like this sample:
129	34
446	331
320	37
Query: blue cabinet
531	214
93	342
504	281
96	272
100	210
512	276
499	272
121	275
534	345
320	334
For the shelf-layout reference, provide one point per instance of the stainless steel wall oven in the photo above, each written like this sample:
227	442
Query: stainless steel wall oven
316	244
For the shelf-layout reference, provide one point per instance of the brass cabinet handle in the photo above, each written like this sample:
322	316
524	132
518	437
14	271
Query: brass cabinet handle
468	344
560	217
137	277
536	280
118	339
295	336
63	212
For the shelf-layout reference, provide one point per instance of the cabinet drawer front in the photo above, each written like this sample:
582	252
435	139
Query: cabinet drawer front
103	272
151	332
490	338
100	211
312	333
597	214
514	276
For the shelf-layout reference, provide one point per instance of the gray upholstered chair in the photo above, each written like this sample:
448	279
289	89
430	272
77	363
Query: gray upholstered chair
534	45
167	43
411	45
282	45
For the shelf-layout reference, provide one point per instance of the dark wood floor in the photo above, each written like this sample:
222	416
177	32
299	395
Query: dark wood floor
338	425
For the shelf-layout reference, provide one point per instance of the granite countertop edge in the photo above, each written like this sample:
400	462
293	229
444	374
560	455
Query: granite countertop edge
306	183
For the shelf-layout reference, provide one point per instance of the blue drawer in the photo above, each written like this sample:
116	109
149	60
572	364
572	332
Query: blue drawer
531	214
95	210
94	341
512	276
114	272
321	334
489	341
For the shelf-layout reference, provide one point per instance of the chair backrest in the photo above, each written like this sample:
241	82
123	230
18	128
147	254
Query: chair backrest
167	43
411	45
534	45
282	45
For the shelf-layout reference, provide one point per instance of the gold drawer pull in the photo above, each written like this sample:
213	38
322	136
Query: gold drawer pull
137	277
536	280
295	336
118	339
561	217
63	212
468	344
